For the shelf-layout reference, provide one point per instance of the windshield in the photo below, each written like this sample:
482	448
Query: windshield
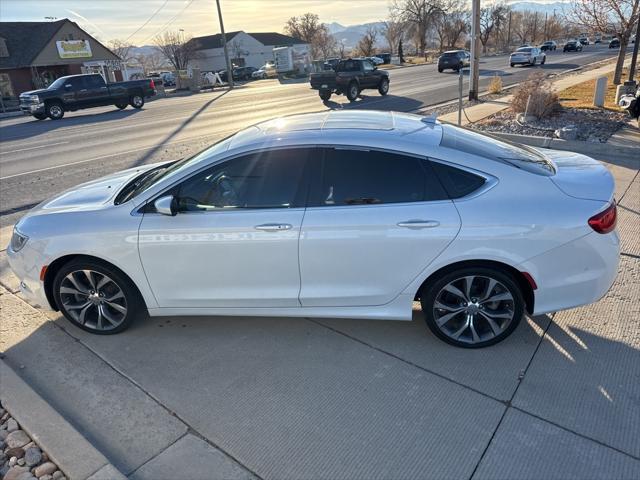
525	50
58	83
493	148
145	181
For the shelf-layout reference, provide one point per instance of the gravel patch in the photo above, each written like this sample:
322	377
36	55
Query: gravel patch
592	125
20	457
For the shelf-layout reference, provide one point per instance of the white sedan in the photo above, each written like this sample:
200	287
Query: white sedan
350	214
527	56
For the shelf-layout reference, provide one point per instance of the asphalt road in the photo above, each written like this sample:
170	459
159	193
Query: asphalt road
41	158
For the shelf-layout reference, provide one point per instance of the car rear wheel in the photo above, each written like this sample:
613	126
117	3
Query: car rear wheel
39	116
96	297
383	88
136	101
325	95
353	91
440	70
473	307
121	105
54	111
513	65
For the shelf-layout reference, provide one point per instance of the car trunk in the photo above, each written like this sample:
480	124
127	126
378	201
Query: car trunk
580	176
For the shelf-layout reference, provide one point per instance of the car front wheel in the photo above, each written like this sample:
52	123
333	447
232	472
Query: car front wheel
473	307
54	111
96	297
325	95
383	88
353	91
39	116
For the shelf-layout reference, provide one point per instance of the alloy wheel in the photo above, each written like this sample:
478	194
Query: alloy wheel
137	100
473	309
55	111
93	299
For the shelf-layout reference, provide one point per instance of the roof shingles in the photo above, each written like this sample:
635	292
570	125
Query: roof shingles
25	40
266	38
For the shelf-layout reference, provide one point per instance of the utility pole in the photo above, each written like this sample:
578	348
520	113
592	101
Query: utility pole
634	55
475	50
224	47
509	33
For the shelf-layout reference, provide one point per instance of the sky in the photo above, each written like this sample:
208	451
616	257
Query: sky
134	20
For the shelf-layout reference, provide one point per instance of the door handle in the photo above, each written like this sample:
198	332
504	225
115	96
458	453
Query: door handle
273	227
419	224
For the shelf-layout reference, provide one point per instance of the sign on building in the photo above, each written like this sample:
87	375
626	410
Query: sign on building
74	49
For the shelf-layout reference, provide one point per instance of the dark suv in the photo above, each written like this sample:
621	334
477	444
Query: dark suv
572	46
454	59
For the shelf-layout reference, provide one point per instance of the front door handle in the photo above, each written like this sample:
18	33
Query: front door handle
273	227
419	224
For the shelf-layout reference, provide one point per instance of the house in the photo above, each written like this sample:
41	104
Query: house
34	54
245	49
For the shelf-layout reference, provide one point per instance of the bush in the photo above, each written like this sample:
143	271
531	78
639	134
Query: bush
495	86
536	90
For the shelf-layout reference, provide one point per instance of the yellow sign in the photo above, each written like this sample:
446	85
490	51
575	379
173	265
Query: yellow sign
74	49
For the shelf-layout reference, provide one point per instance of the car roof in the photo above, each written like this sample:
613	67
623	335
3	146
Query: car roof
452	51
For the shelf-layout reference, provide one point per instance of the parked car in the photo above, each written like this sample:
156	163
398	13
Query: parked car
340	214
583	41
330	63
386	57
350	77
375	60
572	46
243	73
268	70
527	56
454	60
76	92
548	46
614	43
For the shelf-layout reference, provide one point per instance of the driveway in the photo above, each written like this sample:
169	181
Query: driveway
279	398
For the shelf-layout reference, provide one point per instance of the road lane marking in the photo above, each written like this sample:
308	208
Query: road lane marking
32	148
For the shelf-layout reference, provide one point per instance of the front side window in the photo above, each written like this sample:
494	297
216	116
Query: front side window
367	66
356	177
269	179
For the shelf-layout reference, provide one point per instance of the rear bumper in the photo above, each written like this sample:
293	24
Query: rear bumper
578	273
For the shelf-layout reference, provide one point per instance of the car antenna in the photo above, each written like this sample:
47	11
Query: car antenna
431	119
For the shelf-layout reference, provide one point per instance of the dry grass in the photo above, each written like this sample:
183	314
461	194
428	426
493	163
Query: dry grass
414	60
581	94
495	86
535	97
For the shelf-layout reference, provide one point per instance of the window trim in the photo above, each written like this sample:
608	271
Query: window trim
490	180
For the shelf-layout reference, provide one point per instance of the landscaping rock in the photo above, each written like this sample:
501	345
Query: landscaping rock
12	425
33	456
17	439
57	475
46	477
45	469
13	461
15	473
4	469
17	452
21	462
570	132
3	434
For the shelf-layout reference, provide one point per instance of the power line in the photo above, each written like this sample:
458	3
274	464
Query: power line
148	20
171	20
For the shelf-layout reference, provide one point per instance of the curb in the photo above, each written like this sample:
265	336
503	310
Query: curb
16	113
64	445
570	145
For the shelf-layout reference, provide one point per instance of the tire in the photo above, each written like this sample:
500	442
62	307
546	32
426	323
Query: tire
54	110
383	88
39	116
121	105
544	59
136	101
533	64
513	65
325	95
352	91
92	312
440	70
458	329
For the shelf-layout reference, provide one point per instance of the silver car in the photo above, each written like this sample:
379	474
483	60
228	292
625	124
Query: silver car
527	56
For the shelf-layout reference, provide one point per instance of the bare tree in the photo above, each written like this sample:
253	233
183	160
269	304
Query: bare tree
491	20
152	62
366	45
325	43
121	49
452	23
177	48
341	47
308	28
392	32
603	16
237	51
420	14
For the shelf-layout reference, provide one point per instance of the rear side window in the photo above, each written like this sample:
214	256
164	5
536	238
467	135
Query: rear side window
458	183
356	177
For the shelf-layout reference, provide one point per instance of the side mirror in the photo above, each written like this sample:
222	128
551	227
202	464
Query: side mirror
167	205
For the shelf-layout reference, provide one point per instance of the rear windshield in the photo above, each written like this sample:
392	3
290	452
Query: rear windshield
493	148
450	54
523	50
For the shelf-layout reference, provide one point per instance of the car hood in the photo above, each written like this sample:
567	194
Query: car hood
34	92
580	176
91	195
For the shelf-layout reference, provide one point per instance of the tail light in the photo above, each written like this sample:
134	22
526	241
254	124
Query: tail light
605	221
152	84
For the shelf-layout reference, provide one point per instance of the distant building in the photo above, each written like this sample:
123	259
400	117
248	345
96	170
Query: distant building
245	49
34	54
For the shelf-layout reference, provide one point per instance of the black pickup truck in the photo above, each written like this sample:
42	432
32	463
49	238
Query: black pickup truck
350	77
76	92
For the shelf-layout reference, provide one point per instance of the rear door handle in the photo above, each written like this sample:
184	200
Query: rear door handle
419	224
273	227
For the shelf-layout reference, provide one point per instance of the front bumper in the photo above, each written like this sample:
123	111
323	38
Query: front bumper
32	108
28	272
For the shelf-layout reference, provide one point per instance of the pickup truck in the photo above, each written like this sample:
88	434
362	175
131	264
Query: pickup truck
75	92
350	77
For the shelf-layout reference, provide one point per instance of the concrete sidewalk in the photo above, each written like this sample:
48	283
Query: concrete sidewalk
275	398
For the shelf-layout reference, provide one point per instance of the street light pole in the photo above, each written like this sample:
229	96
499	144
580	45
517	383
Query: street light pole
475	53
224	47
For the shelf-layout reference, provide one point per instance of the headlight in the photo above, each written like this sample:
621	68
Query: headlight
35	99
18	240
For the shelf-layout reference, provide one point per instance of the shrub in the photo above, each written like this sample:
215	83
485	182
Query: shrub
536	90
495	86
